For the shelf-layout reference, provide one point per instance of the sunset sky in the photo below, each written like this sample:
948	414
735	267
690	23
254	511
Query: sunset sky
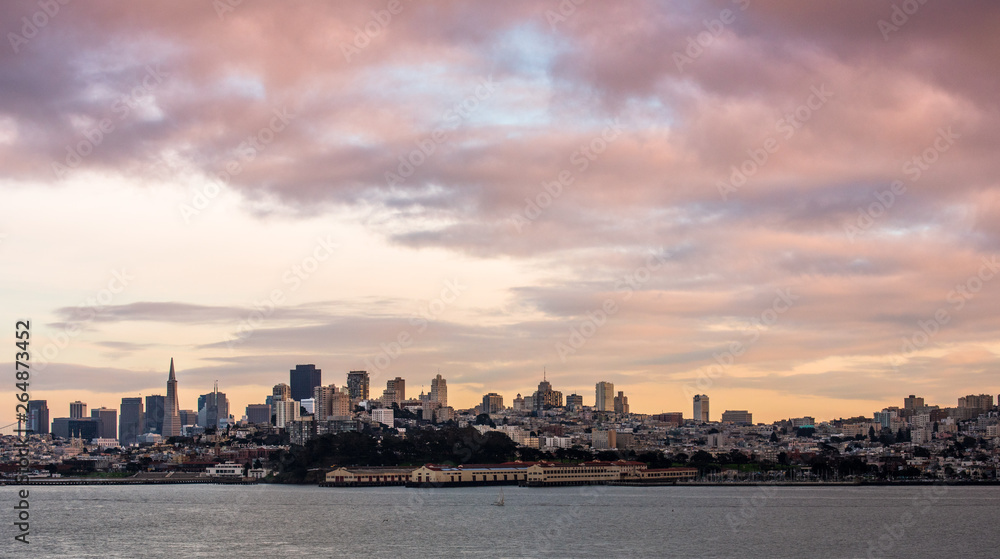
792	207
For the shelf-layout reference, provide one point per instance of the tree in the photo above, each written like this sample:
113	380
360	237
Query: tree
484	419
774	437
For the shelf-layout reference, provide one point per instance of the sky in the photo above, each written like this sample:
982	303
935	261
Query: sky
790	207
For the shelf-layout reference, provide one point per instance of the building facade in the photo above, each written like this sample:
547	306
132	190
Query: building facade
605	396
171	407
701	414
303	379
357	385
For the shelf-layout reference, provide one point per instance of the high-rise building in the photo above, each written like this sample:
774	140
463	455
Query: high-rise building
323	399
340	406
77	410
384	416
258	413
739	417
85	428
130	421
357	385
171	408
38	416
492	403
621	403
605	394
701	408
981	402
395	392
302	379
281	392
108	422
188	417
286	411
545	397
574	401
214	406
911	402
439	390
154	414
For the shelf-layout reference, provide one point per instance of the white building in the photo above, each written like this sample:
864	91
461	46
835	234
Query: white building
229	469
385	416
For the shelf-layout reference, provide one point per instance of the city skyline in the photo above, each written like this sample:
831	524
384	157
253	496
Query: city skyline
793	210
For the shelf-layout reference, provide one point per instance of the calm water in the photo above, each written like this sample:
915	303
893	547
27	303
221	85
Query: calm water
282	521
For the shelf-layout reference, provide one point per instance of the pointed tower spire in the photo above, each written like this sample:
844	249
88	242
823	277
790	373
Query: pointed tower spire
172	377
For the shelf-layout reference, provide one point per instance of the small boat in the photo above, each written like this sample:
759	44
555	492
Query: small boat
499	501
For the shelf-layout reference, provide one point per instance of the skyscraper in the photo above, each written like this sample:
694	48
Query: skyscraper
107	422
545	397
357	384
912	402
154	414
302	379
258	413
439	390
214	406
574	401
395	391
701	408
77	410
130	421
38	416
605	394
171	408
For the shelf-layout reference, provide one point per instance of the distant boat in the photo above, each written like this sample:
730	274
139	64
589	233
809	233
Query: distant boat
499	501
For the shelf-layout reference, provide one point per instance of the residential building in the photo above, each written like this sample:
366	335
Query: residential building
739	417
574	402
621	403
603	439
77	410
492	403
286	411
384	416
357	385
439	390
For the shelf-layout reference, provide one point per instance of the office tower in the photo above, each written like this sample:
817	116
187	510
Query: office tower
130	421
302	379
911	402
701	408
742	417
574	401
605	393
439	390
621	403
340	406
188	417
85	428
492	403
357	384
214	406
258	413
395	392
38	416
77	410
154	414
171	408
108	422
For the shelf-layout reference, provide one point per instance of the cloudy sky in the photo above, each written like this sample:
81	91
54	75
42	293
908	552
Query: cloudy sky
791	207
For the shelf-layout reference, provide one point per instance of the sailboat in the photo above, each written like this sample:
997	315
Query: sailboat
499	501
